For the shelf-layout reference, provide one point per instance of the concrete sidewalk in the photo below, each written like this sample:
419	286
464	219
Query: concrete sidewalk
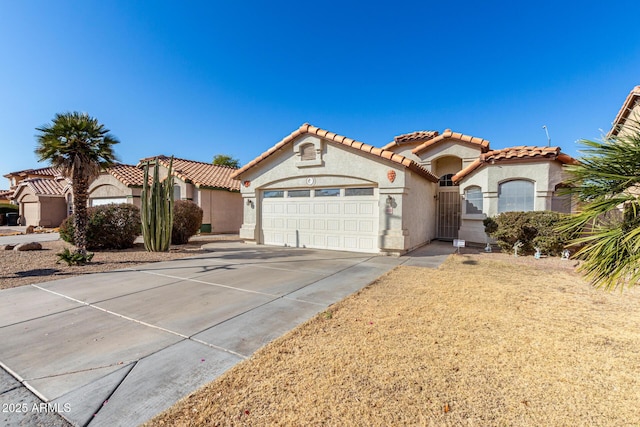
117	348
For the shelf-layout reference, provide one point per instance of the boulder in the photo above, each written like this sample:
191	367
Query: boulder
7	247
31	246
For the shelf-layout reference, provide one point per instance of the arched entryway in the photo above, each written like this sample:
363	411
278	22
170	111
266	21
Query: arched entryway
448	206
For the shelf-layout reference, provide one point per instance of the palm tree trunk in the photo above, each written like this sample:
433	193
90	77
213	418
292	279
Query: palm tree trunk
80	196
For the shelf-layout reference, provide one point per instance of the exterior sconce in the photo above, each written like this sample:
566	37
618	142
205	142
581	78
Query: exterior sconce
390	201
250	203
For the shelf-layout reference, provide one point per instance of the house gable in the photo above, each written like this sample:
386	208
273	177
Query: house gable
630	110
317	134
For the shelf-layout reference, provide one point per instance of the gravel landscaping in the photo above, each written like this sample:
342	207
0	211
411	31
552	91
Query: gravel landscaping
29	267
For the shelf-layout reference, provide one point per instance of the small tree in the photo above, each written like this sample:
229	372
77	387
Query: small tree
81	147
225	160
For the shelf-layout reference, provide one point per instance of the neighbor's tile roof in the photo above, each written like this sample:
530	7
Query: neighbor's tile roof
202	175
514	154
342	140
412	138
448	134
45	186
129	175
6	194
48	171
625	110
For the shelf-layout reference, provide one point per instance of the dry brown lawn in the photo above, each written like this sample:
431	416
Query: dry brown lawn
486	340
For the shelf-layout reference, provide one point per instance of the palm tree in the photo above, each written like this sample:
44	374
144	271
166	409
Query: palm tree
607	184
80	147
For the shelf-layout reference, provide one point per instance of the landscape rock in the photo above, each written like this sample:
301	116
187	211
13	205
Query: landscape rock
7	247
31	246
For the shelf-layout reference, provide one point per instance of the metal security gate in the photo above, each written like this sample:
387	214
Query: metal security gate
448	215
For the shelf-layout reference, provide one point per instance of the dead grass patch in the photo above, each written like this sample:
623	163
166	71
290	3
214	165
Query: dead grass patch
480	341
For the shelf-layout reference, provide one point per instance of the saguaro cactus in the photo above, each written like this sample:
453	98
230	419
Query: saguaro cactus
157	209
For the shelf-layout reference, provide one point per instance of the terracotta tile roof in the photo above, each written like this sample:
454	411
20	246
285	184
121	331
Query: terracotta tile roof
6	194
448	134
45	186
307	129
515	154
202	175
412	138
129	175
625	110
48	171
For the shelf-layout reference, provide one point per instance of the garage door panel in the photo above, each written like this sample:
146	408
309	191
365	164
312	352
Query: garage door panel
350	208
366	226
366	208
341	223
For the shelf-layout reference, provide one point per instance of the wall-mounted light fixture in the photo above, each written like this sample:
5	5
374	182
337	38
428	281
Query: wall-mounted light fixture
390	201
250	203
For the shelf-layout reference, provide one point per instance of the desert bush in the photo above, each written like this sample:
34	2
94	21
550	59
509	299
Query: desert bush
533	229
114	226
187	219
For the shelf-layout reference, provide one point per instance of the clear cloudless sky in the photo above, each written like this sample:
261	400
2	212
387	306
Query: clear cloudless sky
199	78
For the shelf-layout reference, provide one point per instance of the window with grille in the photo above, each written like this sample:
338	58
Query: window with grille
473	200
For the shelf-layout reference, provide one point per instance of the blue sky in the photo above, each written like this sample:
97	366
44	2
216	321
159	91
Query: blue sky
195	79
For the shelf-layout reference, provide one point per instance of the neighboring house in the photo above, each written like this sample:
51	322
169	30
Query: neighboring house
119	184
5	196
210	187
42	201
45	200
40	196
321	190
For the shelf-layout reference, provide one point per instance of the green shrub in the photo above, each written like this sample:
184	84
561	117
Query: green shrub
114	226
533	229
187	219
74	258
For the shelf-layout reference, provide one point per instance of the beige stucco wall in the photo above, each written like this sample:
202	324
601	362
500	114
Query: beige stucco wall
221	209
107	186
450	147
545	175
338	165
420	210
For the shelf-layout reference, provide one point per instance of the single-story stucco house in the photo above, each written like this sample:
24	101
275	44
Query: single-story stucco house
210	187
318	189
42	201
45	198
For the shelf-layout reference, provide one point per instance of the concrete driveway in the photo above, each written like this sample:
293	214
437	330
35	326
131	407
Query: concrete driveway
117	348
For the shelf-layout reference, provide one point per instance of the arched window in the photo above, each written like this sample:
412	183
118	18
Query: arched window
308	152
446	181
473	200
516	195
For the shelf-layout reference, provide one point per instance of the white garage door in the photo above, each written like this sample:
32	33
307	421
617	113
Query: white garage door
328	218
